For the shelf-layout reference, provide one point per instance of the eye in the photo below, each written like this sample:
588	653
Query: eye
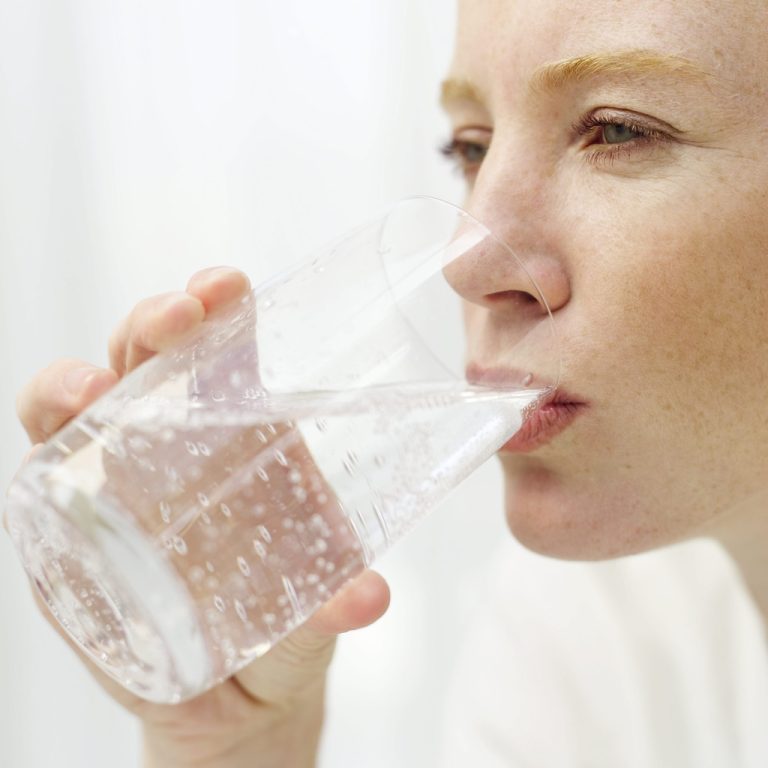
610	135
605	129
618	133
466	156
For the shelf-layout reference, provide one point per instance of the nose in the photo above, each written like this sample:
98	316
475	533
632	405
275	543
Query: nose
518	268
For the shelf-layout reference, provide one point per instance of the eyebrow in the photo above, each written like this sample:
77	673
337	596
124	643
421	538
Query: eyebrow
555	75
460	89
632	62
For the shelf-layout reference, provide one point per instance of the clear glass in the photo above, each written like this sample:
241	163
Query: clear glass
219	494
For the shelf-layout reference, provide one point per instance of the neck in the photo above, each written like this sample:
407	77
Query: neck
743	532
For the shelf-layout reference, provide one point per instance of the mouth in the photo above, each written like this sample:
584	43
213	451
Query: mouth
554	412
542	426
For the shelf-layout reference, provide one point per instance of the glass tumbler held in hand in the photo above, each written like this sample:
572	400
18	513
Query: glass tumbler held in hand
219	494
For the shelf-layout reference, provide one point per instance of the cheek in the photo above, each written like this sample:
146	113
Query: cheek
675	298
668	332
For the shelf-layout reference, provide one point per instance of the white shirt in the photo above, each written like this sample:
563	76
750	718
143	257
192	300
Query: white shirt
652	661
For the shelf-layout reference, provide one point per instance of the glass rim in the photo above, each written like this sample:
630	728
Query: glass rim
496	239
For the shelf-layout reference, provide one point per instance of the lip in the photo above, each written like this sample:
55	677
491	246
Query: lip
544	424
555	413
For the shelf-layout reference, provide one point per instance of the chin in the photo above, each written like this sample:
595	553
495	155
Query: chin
556	517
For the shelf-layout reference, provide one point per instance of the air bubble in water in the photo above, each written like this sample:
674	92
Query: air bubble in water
262	473
259	510
259	549
245	569
280	456
196	574
300	494
225	510
379	461
528	379
219	603
217	396
348	468
352	456
235	379
264	533
165	512
138	444
204	449
203	499
321	424
209	566
205	517
191	447
295	476
271	429
180	545
240	610
261	436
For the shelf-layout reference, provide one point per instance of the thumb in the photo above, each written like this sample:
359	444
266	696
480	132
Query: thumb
298	663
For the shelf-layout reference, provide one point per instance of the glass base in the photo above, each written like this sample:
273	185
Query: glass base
113	591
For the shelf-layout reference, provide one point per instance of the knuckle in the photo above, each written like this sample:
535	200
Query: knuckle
32	396
306	651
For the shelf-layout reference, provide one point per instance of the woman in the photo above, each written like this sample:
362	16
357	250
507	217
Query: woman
621	149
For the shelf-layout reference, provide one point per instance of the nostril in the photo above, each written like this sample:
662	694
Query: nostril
513	297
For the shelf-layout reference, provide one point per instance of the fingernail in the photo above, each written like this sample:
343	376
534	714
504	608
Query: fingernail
74	381
218	272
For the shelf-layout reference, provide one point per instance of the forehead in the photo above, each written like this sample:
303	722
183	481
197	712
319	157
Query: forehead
500	42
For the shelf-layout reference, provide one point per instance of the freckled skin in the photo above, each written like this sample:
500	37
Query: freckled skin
664	255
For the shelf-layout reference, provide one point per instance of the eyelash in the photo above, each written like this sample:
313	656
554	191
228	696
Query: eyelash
457	150
645	137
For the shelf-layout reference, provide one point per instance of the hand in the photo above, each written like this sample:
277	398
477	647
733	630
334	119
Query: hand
274	705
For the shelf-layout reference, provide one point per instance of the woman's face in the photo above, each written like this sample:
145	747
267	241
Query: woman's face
635	188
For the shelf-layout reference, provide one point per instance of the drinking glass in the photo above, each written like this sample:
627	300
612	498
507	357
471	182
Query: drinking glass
220	493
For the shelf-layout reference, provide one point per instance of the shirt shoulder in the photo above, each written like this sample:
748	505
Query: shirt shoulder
655	659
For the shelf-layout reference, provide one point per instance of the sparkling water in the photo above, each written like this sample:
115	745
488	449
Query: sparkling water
177	540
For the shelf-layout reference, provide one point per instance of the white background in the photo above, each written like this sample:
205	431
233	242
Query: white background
140	141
